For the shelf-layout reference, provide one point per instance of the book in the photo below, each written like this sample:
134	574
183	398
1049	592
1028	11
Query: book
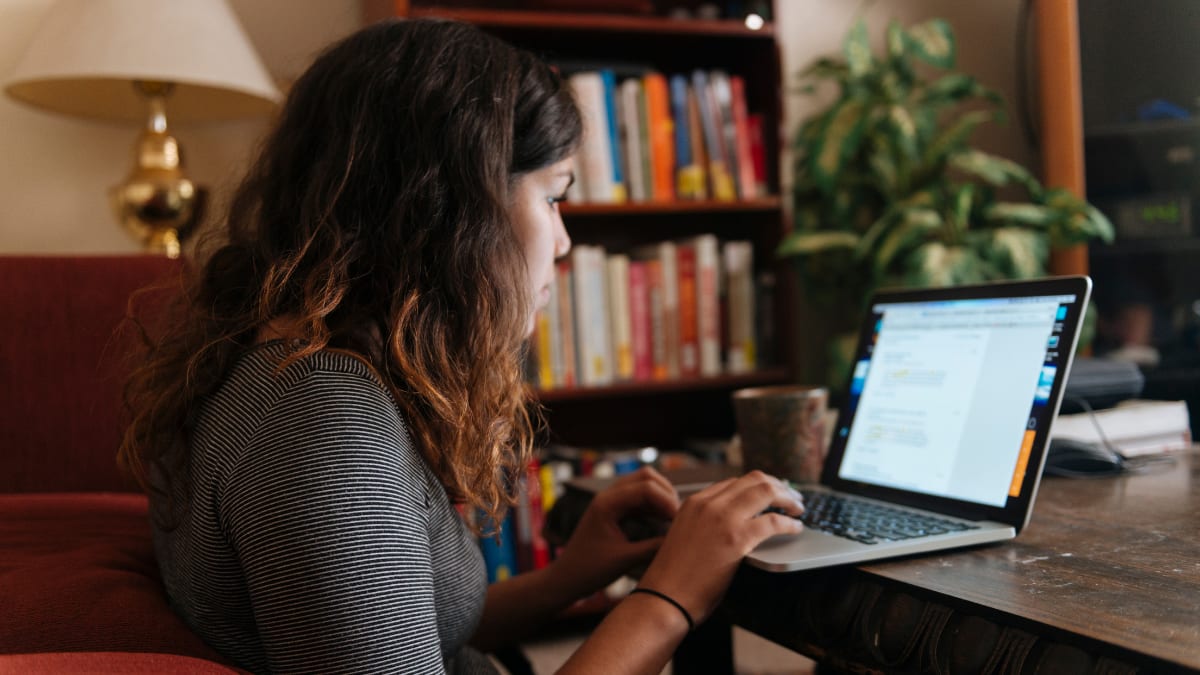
595	165
619	316
609	79
689	327
640	322
708	309
663	277
630	124
565	294
689	176
758	150
722	92
661	133
746	178
719	174
592	315
698	180
738	259
1135	427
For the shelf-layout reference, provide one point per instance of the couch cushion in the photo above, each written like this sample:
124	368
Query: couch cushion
62	362
108	662
77	574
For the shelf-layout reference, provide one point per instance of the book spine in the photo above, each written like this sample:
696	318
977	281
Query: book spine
747	181
662	136
658	328
689	342
609	80
640	325
595	151
758	151
545	359
739	273
670	306
708	309
631	122
689	177
718	160
619	318
566	322
723	96
699	179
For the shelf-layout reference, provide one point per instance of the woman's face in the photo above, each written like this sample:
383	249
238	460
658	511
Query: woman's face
539	225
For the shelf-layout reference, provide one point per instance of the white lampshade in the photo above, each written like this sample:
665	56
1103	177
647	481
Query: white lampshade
87	53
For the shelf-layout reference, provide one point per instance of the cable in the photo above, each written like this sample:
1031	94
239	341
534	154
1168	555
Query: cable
1136	463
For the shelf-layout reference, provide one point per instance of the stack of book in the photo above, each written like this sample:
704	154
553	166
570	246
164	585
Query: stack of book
673	309
653	137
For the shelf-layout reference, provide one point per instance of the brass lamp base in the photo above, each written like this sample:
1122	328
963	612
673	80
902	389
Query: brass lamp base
157	204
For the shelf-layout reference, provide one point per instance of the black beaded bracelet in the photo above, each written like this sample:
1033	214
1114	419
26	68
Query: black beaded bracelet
664	596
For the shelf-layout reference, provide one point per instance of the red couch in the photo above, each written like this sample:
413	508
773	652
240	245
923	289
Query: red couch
79	587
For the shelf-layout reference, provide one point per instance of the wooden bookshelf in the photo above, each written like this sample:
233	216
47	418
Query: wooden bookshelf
663	413
768	204
596	23
764	376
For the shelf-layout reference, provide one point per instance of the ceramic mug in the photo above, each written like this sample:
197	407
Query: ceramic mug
783	430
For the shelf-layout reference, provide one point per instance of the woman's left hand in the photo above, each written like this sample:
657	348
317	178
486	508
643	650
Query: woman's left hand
598	552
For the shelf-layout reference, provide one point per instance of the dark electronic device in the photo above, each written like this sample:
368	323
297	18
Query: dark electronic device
1074	459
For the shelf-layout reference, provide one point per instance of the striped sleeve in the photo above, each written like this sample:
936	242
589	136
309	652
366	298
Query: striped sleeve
328	514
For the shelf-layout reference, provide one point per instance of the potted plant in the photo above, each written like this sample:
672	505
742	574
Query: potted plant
889	192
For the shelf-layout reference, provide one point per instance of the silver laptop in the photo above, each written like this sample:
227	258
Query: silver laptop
943	432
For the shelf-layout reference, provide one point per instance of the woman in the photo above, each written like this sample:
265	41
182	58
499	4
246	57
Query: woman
347	368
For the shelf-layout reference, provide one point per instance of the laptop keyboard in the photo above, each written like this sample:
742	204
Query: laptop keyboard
868	522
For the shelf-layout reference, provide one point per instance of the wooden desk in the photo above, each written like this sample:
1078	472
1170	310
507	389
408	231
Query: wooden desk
1106	579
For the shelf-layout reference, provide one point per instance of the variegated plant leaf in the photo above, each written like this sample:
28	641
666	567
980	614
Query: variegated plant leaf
798	243
857	50
922	199
953	138
997	171
912	228
1082	221
936	264
838	141
961	204
1016	252
933	42
896	44
1019	213
957	87
825	69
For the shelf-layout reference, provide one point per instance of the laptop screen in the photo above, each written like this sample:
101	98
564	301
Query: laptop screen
948	394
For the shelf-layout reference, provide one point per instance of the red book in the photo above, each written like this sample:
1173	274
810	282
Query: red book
747	180
639	314
758	150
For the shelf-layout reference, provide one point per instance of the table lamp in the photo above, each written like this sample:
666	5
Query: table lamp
138	60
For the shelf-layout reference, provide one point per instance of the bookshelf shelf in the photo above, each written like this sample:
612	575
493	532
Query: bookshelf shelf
765	204
598	23
665	387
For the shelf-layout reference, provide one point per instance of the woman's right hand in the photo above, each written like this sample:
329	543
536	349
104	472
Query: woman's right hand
714	529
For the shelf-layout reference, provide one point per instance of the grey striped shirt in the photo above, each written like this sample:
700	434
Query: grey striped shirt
316	539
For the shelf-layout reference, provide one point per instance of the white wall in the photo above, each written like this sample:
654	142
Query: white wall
55	171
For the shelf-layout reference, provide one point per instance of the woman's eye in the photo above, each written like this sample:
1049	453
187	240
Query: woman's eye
555	201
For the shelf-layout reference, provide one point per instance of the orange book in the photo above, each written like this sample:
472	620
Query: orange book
689	327
661	136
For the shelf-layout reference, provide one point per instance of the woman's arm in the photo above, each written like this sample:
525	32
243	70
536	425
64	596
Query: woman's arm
597	554
714	530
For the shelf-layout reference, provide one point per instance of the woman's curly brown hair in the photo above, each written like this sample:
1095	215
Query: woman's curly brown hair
375	220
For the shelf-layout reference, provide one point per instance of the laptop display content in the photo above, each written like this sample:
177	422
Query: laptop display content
948	411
